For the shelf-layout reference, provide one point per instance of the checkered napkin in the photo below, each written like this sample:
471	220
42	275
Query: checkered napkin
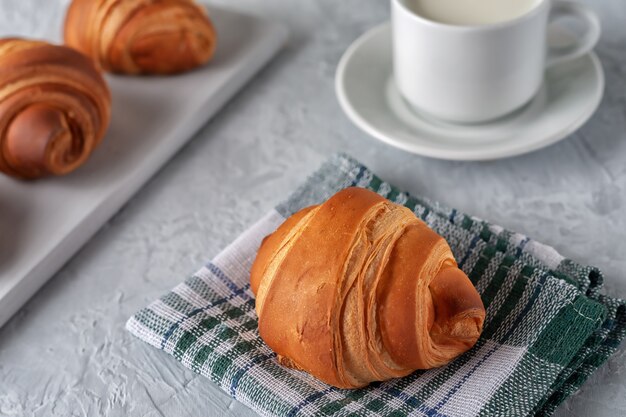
547	326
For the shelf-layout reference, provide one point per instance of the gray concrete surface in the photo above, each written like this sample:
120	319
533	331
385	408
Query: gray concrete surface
66	353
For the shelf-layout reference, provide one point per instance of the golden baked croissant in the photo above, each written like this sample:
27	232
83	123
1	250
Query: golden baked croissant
54	108
141	36
358	289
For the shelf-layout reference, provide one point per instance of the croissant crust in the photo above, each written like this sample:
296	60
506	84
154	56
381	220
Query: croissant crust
54	108
141	36
358	290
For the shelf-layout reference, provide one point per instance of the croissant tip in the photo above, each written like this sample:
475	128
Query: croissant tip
468	326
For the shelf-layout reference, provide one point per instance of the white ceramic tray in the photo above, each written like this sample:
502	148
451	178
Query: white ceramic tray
43	223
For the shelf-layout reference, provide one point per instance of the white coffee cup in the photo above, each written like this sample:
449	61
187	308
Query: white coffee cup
479	72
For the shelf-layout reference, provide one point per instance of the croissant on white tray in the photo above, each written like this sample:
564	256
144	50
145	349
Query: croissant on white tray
55	108
141	36
358	289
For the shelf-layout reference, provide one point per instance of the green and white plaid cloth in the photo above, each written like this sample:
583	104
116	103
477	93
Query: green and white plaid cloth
548	327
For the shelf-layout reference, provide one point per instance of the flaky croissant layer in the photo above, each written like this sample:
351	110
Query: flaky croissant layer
141	36
358	290
55	108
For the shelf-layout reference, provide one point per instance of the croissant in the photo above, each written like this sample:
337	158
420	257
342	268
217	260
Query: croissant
141	36
358	290
54	108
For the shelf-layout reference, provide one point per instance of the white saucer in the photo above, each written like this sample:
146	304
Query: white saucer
571	93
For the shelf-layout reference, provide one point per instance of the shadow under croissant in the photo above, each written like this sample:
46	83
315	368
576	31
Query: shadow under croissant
13	217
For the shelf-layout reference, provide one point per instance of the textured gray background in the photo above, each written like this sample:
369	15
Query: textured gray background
66	353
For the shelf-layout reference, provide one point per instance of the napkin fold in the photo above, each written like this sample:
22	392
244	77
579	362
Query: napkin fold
548	326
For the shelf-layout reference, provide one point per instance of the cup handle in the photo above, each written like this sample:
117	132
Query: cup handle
562	8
